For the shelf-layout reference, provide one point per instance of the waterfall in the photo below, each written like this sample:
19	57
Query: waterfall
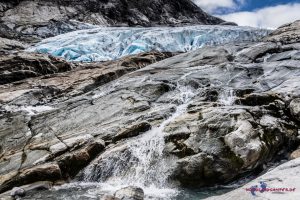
141	161
227	97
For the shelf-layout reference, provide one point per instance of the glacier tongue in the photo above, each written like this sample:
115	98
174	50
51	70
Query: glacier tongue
110	43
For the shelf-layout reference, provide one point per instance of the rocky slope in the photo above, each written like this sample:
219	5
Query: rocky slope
209	115
34	19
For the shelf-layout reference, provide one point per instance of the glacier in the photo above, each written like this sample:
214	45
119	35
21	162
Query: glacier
110	43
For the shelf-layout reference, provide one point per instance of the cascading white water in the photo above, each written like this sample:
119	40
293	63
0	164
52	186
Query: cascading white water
141	161
227	97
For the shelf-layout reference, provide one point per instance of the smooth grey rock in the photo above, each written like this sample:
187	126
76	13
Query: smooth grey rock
283	176
283	56
252	53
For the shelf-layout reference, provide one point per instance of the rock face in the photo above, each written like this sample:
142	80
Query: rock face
28	19
15	67
22	77
281	182
69	154
196	119
7	45
287	34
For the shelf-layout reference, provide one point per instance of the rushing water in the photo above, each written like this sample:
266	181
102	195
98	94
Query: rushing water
141	161
227	97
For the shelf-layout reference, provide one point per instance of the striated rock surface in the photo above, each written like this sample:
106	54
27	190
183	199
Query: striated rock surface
32	20
286	34
47	78
20	100
196	119
8	45
22	65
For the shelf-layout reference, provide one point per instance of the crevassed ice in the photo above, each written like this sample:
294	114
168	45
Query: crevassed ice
110	43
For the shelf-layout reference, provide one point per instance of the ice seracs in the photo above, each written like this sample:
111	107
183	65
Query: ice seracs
110	43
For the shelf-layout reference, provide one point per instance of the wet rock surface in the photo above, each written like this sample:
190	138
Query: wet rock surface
220	111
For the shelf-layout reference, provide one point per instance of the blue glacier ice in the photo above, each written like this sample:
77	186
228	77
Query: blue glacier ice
110	43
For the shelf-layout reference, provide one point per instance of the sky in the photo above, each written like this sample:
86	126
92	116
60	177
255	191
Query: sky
256	13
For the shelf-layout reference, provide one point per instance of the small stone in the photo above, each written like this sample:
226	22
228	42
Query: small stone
17	192
109	197
295	108
295	154
130	193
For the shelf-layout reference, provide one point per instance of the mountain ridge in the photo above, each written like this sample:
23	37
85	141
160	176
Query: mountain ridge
41	19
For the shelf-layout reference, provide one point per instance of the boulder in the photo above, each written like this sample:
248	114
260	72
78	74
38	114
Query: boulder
295	108
44	172
130	193
132	131
17	192
71	163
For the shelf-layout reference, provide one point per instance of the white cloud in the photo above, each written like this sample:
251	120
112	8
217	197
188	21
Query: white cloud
213	6
269	17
